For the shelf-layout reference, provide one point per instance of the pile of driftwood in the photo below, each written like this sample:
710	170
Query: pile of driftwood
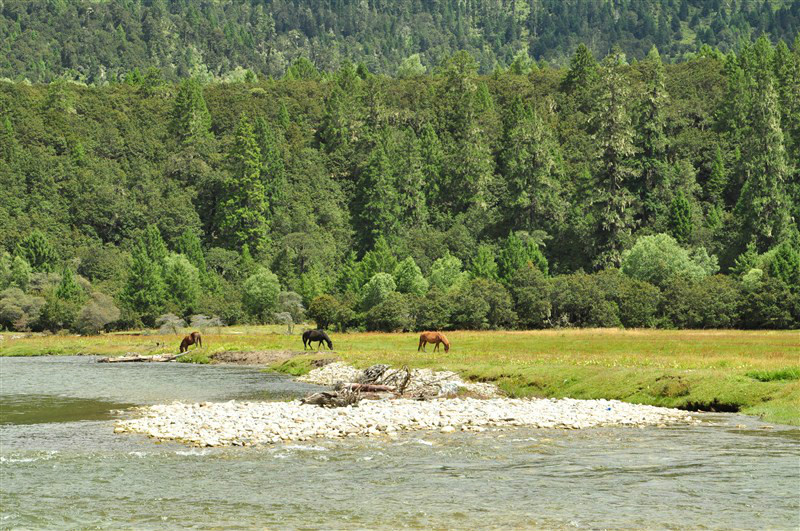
376	382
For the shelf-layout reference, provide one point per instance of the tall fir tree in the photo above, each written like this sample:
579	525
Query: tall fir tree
243	212
531	164
144	292
191	121
652	139
615	166
763	206
680	219
377	205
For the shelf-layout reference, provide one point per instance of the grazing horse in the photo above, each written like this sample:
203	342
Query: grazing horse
192	339
433	337
319	336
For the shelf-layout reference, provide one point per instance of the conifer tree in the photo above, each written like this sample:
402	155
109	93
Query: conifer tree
762	207
614	202
273	173
377	203
483	263
68	289
37	251
651	132
581	79
244	210
531	164
717	180
680	219
191	121
144	292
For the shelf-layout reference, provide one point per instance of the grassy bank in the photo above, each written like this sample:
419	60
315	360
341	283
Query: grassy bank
755	372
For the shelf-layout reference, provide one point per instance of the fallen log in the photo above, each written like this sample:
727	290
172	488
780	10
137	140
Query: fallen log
370	388
140	358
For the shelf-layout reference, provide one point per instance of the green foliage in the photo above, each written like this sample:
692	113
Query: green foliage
517	253
656	259
785	265
18	310
432	312
680	219
260	294
409	279
579	300
637	302
377	290
389	315
325	310
98	312
711	302
191	121
182	282
789	373
530	290
446	273
483	264
144	291
37	251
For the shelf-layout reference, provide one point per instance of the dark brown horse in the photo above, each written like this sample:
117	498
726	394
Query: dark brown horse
433	337
192	339
316	335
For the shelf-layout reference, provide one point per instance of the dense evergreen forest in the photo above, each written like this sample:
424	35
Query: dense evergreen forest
611	193
97	41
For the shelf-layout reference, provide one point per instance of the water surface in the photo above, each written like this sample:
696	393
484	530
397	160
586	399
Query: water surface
62	467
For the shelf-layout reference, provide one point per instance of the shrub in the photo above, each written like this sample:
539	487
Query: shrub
579	300
18	310
530	290
431	311
482	304
637	301
770	304
656	259
390	315
292	303
203	321
170	324
260	294
96	314
712	302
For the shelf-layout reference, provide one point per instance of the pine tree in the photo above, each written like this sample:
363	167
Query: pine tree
581	78
483	263
680	219
273	173
718	180
144	292
244	210
191	121
406	159
651	132
762	207
68	289
37	251
154	245
377	203
614	137
531	164
380	259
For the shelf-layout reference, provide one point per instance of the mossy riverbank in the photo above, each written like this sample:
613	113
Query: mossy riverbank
752	372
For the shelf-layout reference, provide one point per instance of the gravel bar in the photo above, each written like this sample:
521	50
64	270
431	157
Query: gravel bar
237	423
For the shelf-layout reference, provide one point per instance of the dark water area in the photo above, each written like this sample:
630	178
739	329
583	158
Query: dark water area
62	467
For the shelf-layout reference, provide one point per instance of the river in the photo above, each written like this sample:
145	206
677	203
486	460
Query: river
62	467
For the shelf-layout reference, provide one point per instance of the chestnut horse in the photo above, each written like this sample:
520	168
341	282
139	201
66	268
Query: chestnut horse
433	337
192	339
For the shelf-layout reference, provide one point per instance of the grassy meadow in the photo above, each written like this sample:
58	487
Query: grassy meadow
754	372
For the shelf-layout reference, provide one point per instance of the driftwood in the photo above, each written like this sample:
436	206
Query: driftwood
370	388
335	399
138	357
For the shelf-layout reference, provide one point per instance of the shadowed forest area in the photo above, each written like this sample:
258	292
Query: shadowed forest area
617	192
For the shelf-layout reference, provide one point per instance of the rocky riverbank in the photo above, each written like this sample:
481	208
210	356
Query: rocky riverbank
254	423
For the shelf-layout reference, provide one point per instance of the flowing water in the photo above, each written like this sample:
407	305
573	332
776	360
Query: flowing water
62	467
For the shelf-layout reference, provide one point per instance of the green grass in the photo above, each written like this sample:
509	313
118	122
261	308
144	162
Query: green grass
788	373
754	372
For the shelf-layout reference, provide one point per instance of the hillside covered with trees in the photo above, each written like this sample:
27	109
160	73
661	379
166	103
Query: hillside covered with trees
618	192
98	41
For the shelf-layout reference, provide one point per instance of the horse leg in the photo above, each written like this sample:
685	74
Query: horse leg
436	348
421	344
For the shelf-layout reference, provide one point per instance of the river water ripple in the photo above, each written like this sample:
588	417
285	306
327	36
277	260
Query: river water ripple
62	467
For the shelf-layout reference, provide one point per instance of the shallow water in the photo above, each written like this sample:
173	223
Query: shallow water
62	467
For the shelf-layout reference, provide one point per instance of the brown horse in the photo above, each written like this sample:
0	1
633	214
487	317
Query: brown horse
192	339
433	337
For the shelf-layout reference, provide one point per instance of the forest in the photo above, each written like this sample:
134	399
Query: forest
607	192
101	41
